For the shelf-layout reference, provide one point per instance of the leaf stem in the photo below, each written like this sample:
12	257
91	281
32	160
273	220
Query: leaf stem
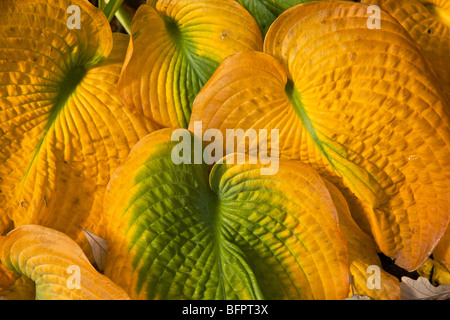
111	8
114	8
124	19
101	4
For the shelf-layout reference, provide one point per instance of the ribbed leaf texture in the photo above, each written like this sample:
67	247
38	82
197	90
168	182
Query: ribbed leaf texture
54	261
63	127
176	46
428	23
176	231
359	105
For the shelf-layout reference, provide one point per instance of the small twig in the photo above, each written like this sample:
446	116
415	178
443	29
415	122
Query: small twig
351	284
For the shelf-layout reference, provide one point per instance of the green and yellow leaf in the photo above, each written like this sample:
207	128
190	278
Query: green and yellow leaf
63	127
176	231
175	47
54	261
359	105
266	11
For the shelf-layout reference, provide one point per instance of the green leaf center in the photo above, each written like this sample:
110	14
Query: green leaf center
67	87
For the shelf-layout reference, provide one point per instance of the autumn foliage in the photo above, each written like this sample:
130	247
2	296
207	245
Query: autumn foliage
357	92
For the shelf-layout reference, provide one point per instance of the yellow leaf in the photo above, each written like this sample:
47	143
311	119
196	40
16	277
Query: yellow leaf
435	272
63	127
56	264
359	105
428	23
369	279
442	251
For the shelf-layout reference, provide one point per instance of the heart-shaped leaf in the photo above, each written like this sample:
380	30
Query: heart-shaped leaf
428	22
56	264
359	105
63	128
175	48
243	235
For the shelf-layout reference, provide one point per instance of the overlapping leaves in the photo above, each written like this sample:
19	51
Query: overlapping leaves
428	23
360	105
52	260
363	255
63	128
173	235
266	11
176	46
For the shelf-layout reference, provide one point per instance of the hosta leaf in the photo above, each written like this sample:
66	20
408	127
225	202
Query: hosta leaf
266	11
22	288
63	128
363	258
428	22
179	232
175	48
53	261
360	105
435	272
442	251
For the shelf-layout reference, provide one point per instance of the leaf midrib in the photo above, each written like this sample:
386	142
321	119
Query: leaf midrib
295	99
201	70
67	88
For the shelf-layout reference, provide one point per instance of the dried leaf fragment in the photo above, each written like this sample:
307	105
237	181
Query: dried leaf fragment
99	247
422	289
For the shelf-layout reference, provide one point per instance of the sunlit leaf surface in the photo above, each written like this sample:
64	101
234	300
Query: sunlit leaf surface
57	265
359	105
63	127
180	232
428	23
176	46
